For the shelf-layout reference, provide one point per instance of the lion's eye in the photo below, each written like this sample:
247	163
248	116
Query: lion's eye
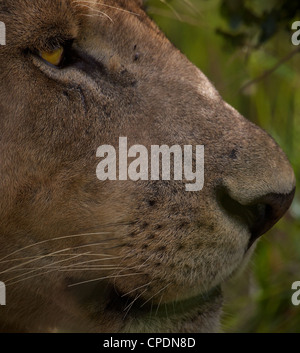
54	57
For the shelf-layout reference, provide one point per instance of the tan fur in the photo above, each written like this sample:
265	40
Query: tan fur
163	244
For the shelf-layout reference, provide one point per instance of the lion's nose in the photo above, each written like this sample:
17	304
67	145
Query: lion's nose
259	215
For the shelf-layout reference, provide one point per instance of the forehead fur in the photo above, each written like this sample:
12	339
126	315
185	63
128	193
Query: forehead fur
32	23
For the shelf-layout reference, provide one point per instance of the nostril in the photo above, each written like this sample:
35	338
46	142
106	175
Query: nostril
260	215
276	207
250	215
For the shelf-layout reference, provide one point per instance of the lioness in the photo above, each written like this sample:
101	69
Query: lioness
82	255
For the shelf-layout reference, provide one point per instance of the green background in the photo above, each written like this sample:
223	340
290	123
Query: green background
258	300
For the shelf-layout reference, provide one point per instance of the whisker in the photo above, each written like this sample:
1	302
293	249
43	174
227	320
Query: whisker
67	269
108	257
110	6
42	267
87	269
151	309
143	264
28	262
24	279
54	239
102	278
117	274
131	304
156	312
97	11
50	254
96	260
91	267
167	311
147	284
62	269
192	6
175	302
156	294
172	9
116	246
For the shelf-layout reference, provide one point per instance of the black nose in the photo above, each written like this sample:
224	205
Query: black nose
260	215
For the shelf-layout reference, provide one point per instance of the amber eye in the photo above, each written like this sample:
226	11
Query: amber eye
54	57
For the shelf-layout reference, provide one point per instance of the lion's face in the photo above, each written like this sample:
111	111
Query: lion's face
87	255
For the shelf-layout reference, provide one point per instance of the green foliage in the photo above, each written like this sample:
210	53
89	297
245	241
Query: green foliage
235	42
255	22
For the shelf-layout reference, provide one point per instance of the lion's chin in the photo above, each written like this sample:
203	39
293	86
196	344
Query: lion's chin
135	314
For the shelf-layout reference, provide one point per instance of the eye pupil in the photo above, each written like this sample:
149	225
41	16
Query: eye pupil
53	57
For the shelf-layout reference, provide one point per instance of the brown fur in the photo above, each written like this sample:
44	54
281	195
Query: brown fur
163	244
